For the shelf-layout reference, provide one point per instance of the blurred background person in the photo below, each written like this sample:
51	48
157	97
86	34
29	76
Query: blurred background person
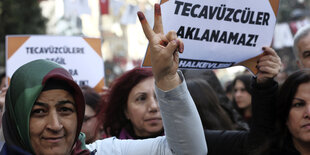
2	102
207	103
132	108
210	77
3	90
92	127
242	95
2	80
229	90
301	47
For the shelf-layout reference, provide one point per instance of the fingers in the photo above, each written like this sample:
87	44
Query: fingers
173	36
269	51
269	64
158	24
270	58
269	67
148	31
163	41
181	45
269	55
172	46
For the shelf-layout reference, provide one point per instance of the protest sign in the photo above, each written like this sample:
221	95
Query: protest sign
81	56
219	33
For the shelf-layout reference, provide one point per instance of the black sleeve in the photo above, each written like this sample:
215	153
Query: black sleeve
226	142
263	112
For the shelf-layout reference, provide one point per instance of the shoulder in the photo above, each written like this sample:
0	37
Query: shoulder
10	149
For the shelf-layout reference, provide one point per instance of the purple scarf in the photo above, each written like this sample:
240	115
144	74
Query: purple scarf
124	134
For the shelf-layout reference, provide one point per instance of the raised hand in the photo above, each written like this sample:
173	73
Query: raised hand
268	65
164	50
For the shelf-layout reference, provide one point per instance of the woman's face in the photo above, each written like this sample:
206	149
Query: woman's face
53	123
142	109
242	97
90	123
298	121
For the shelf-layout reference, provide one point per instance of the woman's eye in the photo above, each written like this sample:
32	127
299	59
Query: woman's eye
66	110
38	112
141	98
306	54
298	104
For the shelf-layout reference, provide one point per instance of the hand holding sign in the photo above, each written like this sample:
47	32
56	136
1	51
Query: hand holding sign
268	65
164	51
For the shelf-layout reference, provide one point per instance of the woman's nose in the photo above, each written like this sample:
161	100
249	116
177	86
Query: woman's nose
307	112
54	122
153	107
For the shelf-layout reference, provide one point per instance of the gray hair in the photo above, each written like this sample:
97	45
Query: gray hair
300	34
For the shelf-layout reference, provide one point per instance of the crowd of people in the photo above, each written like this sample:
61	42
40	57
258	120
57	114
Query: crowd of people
162	110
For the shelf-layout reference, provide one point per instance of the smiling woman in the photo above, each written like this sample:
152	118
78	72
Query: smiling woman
44	110
53	121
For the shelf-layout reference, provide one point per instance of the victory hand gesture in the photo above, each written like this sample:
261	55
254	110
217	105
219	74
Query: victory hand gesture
164	50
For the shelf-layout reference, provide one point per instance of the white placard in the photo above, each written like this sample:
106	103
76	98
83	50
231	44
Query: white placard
81	56
219	33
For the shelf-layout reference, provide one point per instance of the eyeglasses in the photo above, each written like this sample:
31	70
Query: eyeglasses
87	118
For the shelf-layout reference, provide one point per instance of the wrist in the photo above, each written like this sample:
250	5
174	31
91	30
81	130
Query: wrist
168	82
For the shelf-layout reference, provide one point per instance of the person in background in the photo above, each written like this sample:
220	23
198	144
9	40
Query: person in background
229	90
212	115
301	47
225	103
242	96
2	80
132	111
3	89
2	103
92	128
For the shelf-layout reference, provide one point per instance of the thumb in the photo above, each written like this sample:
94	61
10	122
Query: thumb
172	46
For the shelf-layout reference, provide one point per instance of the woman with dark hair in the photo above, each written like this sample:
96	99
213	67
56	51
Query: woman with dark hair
242	96
211	113
132	111
292	130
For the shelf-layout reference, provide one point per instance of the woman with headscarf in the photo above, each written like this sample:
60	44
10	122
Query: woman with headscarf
23	119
